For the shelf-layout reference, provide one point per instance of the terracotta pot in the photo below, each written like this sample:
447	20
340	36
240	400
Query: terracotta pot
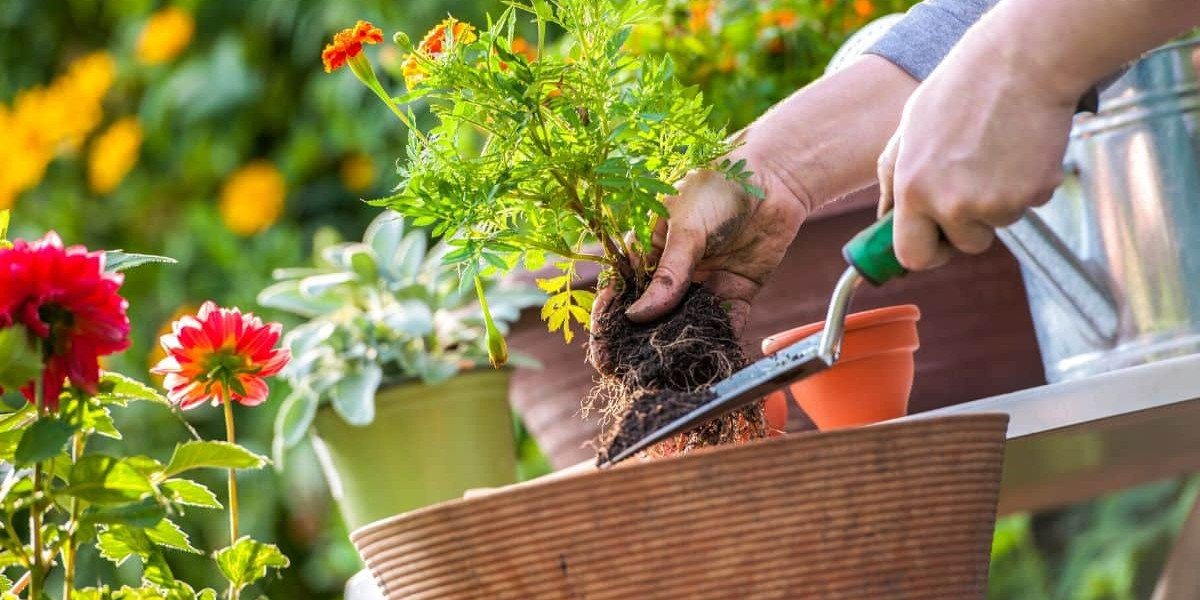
428	443
897	511
874	375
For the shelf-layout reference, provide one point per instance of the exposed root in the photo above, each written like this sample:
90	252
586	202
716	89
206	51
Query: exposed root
652	374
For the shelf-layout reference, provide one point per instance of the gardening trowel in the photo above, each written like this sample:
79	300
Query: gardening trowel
871	258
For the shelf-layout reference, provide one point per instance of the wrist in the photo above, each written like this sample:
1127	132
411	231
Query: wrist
771	158
1027	69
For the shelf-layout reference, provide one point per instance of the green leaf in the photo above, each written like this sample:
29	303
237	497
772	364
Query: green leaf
116	388
107	480
118	260
211	455
295	416
119	542
146	513
186	491
5	583
247	561
167	533
43	440
354	395
20	362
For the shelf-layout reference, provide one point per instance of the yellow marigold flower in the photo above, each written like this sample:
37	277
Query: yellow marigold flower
252	198
166	34
357	172
113	155
440	40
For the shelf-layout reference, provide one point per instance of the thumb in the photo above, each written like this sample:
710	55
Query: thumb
672	277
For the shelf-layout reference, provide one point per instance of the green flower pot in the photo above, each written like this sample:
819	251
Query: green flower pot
427	444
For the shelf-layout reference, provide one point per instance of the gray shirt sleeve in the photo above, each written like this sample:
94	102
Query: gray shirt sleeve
919	41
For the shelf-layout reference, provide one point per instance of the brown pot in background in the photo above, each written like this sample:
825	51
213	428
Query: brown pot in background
976	332
872	378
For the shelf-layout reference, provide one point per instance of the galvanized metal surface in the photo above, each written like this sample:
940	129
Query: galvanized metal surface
1075	440
1130	210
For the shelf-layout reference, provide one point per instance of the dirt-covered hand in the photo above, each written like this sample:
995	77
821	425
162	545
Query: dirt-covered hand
719	235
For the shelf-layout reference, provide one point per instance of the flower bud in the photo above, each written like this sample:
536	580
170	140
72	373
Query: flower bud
401	39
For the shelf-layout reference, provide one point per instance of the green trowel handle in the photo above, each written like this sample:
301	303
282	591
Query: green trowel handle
872	254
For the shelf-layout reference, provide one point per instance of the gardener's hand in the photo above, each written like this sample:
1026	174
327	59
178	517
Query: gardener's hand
983	137
970	155
718	235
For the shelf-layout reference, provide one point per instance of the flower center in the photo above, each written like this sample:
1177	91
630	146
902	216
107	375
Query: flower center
60	320
224	363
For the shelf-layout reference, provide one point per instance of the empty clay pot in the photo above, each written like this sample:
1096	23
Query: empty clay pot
871	381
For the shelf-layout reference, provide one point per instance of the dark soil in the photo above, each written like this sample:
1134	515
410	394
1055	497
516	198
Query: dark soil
651	374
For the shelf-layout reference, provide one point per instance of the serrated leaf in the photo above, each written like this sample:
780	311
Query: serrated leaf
116	388
116	261
146	513
103	479
247	561
168	534
211	455
119	542
5	583
43	440
186	491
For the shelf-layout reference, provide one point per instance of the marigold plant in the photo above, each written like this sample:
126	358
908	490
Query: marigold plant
549	153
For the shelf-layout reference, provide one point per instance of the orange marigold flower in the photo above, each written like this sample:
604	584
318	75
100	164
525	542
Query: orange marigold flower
437	42
700	13
782	18
348	43
864	8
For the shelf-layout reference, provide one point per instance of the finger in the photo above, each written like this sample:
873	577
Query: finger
916	239
604	297
885	170
682	249
738	292
969	237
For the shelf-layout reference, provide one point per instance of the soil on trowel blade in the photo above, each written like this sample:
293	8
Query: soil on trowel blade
652	374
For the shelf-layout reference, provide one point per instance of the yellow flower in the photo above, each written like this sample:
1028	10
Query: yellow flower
44	120
252	198
113	155
166	33
358	172
700	14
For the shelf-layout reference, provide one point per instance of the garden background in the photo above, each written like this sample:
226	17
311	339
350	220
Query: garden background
208	132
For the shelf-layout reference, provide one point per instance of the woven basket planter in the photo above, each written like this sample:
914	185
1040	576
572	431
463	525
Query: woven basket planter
895	511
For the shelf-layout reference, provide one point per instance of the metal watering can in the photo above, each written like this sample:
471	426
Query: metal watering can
1112	263
1129	211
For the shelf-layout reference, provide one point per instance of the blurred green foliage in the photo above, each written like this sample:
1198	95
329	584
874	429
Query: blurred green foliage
246	87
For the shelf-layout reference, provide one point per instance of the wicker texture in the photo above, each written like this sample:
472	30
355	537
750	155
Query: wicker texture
898	511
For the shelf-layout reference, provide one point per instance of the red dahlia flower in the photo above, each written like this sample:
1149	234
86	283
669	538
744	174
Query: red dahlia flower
66	300
220	353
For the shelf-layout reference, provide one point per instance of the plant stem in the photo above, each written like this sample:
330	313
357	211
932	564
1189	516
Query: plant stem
227	402
37	572
69	549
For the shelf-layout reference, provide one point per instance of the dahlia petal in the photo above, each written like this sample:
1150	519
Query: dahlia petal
81	366
276	362
256	391
166	366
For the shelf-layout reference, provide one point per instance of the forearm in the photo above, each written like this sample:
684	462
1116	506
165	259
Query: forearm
822	142
1065	46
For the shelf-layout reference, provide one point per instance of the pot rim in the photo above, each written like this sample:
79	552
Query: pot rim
854	322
